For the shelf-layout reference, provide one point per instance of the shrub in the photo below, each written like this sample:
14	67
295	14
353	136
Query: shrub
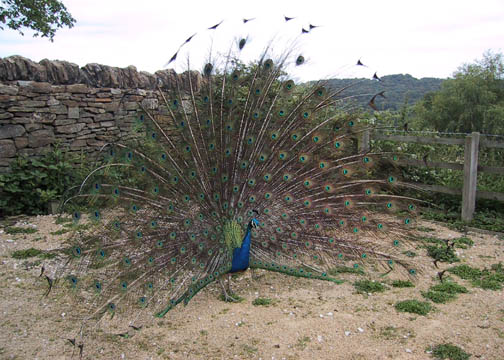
414	306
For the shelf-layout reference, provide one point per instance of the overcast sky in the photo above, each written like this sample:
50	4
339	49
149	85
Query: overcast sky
422	38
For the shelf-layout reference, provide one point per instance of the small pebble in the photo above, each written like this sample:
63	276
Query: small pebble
409	351
347	333
361	330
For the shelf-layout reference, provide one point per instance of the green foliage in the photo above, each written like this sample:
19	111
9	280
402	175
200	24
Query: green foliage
438	297
466	272
402	284
448	351
442	253
262	302
340	269
444	292
34	182
414	306
368	286
488	279
27	253
472	101
42	16
12	230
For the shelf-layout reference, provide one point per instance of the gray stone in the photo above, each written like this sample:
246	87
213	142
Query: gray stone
77	88
7	148
5	115
8	90
21	142
78	143
52	102
32	103
104	117
107	123
31	127
40	138
115	91
150	104
70	129
11	131
58	109
73	112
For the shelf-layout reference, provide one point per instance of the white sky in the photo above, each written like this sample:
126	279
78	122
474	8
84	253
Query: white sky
422	38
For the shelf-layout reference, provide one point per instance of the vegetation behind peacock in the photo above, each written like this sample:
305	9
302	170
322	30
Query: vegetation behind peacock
244	169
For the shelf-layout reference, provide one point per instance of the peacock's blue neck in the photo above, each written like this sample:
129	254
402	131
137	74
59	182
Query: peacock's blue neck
241	255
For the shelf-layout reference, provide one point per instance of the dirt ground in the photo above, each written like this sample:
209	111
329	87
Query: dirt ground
307	319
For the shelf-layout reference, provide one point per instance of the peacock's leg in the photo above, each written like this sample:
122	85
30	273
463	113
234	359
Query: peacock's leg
226	294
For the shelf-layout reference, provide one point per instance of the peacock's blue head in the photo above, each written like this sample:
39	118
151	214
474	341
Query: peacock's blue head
254	223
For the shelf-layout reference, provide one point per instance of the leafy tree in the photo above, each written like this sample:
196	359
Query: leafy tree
43	16
473	100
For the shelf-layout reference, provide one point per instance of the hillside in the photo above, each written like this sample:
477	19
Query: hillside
397	88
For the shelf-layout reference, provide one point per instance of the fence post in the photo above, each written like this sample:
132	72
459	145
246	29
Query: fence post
470	176
364	142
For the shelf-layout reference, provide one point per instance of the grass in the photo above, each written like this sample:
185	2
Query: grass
345	269
402	284
262	302
31	252
488	279
443	254
414	306
449	351
368	286
302	342
13	230
444	292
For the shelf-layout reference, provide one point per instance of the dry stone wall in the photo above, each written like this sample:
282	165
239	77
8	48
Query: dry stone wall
81	109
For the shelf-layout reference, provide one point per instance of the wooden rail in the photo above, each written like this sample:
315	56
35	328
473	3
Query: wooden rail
470	167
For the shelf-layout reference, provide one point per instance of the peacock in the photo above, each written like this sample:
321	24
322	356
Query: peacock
244	169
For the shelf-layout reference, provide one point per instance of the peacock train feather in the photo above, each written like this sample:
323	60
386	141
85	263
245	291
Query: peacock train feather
246	168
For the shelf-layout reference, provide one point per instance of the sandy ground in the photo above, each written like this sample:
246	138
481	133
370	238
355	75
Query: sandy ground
307	320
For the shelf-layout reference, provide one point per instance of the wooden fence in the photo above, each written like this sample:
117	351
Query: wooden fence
472	143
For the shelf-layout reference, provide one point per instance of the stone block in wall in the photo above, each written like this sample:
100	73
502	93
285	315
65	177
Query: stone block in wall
21	142
8	90
5	115
70	129
73	112
44	118
20	68
77	89
115	91
107	124
32	127
78	144
11	131
64	122
58	109
131	106
7	148
40	87
61	72
52	102
150	104
32	103
40	138
104	117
